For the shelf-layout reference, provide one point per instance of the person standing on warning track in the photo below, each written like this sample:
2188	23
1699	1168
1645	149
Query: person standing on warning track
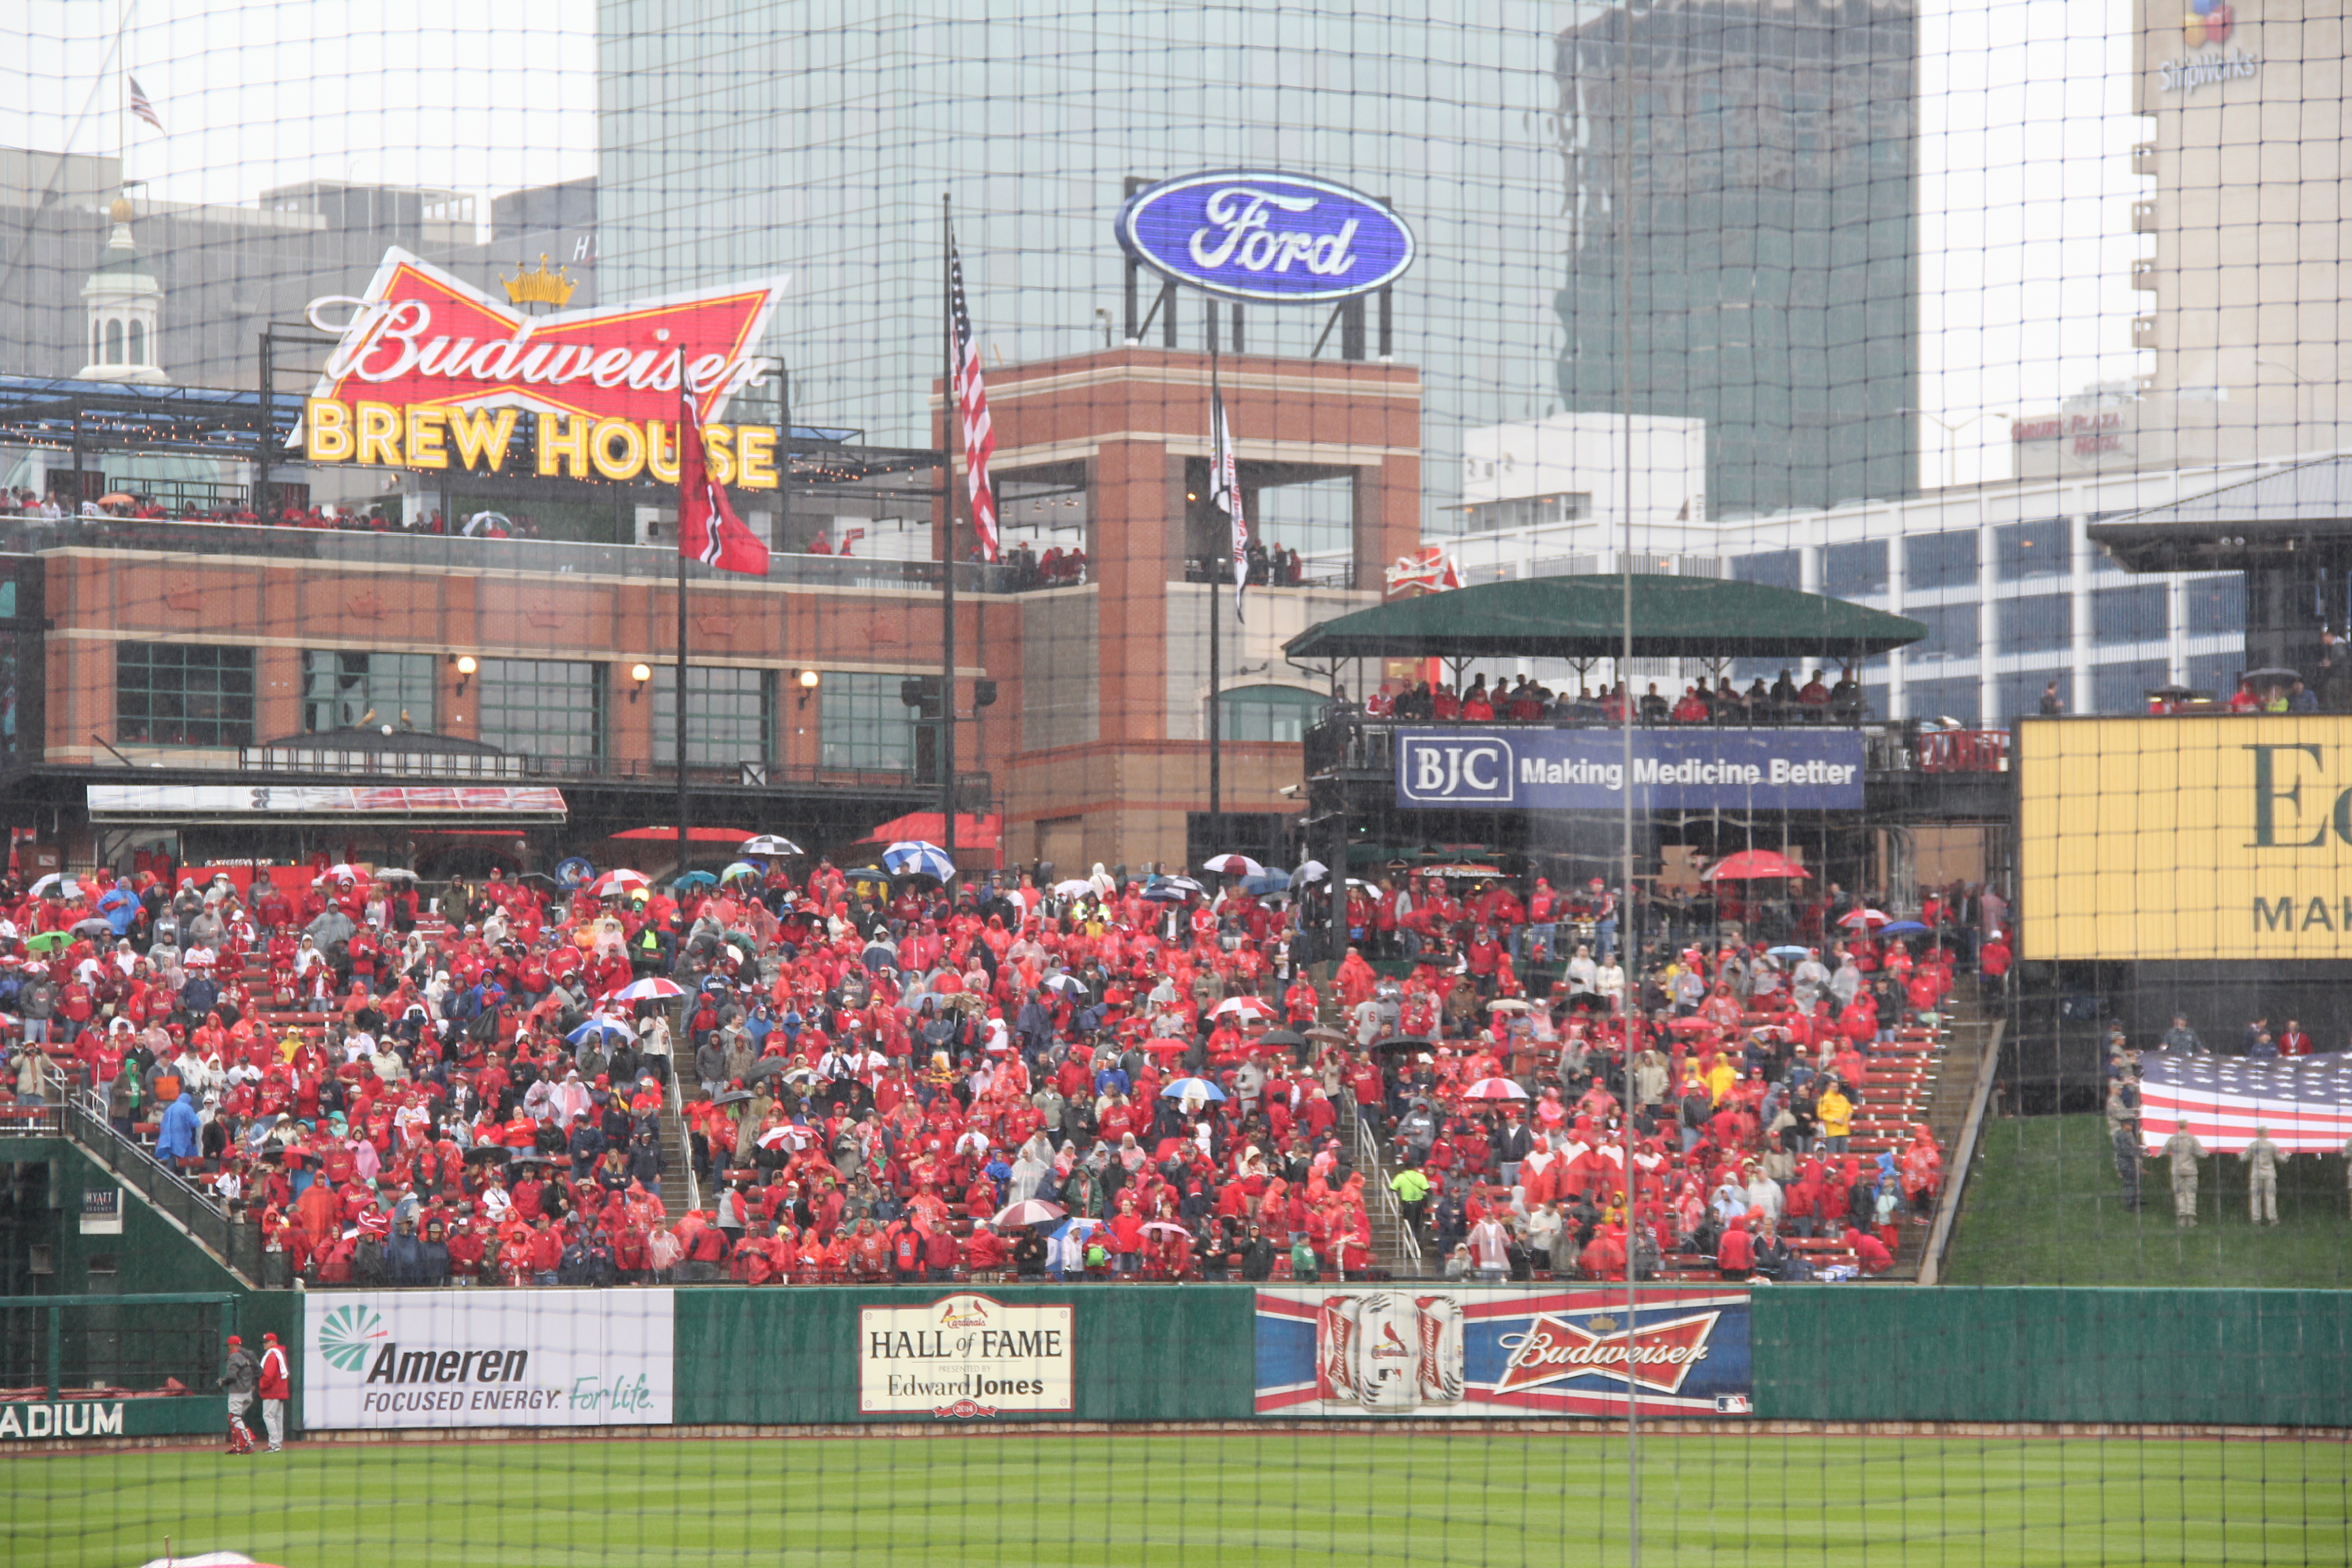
2183	1151
275	1389
239	1373
2262	1157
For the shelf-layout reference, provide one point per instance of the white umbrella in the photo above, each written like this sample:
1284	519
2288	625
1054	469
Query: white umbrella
740	869
66	887
1309	871
1494	1089
1069	983
1247	1007
770	844
1232	866
916	858
1031	1211
341	870
1076	888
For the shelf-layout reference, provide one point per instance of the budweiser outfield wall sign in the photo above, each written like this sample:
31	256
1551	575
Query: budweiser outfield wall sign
1466	1351
429	372
504	1358
965	1357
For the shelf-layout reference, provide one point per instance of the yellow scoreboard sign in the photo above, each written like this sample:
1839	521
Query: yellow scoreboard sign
2228	836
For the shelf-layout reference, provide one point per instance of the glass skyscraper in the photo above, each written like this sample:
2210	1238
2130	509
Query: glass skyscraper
743	137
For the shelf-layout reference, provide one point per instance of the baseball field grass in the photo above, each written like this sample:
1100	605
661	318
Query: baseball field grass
2044	1207
1470	1497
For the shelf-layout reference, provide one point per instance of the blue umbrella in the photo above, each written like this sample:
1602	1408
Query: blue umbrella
1901	928
599	1029
1193	1088
1270	881
693	880
1789	951
915	857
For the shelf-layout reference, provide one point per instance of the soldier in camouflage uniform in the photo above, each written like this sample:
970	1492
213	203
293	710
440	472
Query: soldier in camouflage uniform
2183	1151
2262	1157
2124	1132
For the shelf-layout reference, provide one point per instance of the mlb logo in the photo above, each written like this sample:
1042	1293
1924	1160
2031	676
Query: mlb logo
1457	770
1733	1404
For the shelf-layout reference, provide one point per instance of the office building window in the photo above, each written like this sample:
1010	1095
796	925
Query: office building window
345	691
2215	674
1525	511
2022	550
1773	568
1268	714
2017	694
1957	698
729	715
2040	624
1849	570
2126	614
1939	561
178	694
542	707
1951	632
866	727
2124	687
2216	606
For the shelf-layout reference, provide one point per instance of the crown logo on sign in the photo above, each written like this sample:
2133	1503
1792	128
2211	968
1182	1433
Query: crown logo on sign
1603	1324
539	288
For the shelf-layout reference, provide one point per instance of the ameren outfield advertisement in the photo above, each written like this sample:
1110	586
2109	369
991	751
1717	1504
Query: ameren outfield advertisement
1423	1350
508	1358
965	1357
2191	836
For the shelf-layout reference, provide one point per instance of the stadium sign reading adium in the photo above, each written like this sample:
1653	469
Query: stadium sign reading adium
1265	237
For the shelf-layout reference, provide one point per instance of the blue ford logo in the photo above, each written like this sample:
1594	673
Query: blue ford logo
1281	237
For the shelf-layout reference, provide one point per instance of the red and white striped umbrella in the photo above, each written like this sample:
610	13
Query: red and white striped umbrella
614	883
1244	1007
1494	1089
651	989
1031	1211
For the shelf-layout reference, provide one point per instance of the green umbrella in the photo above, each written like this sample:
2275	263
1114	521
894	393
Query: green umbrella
53	939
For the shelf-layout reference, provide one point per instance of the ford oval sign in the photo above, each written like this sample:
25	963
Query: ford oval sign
1279	237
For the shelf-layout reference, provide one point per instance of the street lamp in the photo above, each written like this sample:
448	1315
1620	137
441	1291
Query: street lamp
1951	432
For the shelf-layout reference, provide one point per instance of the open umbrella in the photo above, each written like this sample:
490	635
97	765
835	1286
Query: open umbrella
1286	1037
1860	916
653	988
731	1097
2272	676
1270	880
1791	951
740	869
1901	928
1308	871
875	874
1507	1005
770	844
694	879
1244	1007
619	880
1232	866
1165	1227
1494	1089
1753	865
1031	1211
1323	1032
600	1029
56	886
1074	888
1069	984
341	870
488	1154
916	858
49	941
1193	1089
93	926
774	1137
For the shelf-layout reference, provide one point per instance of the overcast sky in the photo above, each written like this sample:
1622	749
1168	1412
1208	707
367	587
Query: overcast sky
2025	234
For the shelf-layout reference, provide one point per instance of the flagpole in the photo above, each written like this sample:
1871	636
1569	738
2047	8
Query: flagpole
677	707
1216	701
947	748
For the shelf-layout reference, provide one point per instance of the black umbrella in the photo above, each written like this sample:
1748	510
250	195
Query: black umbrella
2177	693
488	1154
1404	1043
2272	676
732	1097
1280	1037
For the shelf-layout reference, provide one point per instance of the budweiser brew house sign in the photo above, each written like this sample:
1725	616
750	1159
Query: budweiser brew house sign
430	373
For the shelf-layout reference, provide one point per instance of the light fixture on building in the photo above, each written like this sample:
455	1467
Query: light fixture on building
466	667
806	680
640	674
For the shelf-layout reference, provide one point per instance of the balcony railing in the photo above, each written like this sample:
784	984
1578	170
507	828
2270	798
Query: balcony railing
1358	743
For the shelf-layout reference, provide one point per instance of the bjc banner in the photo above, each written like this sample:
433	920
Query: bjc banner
506	1358
1585	770
1464	1351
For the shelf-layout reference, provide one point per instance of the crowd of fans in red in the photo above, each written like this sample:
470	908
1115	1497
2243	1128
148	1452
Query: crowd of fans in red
871	1074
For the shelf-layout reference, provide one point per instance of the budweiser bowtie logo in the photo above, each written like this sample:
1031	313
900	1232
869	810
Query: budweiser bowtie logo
1553	1348
419	336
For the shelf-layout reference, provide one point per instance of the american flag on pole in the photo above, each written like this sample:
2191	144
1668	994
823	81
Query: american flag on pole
972	400
2305	1103
142	105
1225	485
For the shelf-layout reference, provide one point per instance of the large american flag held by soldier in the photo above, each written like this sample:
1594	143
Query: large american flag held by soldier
2305	1102
971	401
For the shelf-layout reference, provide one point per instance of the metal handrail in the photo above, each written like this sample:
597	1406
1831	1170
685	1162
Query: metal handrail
238	1243
1368	1157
